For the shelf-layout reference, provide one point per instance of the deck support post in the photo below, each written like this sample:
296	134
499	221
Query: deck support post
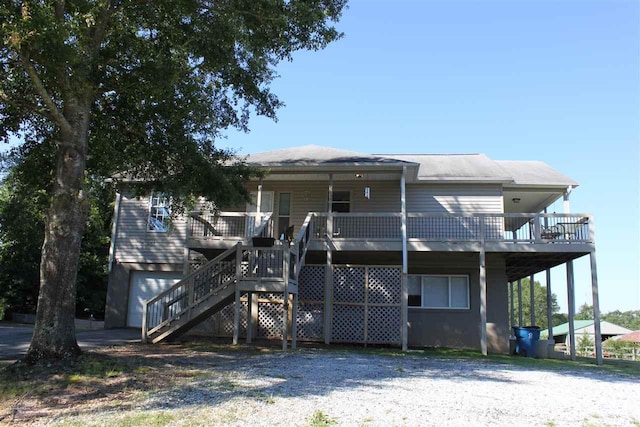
520	302
532	300
549	306
571	297
285	299
294	322
483	302
404	302
249	317
236	314
512	318
328	291
328	273
597	340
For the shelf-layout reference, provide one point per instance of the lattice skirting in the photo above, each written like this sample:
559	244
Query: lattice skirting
365	306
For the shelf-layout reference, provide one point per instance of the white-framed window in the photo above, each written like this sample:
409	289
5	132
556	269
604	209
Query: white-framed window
341	201
439	291
159	212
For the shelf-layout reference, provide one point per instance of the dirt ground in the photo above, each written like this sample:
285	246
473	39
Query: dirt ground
204	383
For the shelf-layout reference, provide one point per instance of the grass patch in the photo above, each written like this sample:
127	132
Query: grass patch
320	419
151	419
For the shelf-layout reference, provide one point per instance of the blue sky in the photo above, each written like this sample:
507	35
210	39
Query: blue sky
523	80
552	81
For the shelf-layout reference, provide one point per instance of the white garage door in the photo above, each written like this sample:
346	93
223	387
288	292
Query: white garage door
145	285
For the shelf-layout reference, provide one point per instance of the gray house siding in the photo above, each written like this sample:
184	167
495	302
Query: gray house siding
135	244
461	328
433	198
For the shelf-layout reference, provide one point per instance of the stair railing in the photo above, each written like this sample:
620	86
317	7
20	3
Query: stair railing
182	297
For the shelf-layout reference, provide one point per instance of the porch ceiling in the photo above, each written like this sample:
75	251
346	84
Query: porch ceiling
520	265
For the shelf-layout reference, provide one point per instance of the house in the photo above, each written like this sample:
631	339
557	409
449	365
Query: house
408	250
585	328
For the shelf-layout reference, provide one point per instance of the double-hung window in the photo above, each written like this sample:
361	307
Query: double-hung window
439	291
341	202
159	212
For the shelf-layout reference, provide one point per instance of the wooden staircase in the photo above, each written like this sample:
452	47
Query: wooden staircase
219	283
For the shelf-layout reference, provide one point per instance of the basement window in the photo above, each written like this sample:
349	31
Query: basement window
439	291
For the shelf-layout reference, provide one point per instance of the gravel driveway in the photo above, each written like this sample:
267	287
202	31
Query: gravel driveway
358	388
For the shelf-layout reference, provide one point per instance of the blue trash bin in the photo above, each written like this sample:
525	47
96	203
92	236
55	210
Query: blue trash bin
526	340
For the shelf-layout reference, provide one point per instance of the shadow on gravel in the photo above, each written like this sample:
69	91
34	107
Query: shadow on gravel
266	374
190	374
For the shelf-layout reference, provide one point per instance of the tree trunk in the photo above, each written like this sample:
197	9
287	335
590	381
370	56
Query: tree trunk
54	333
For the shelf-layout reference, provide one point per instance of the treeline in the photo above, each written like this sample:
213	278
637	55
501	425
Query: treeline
24	199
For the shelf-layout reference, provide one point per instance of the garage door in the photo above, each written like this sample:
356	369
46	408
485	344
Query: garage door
145	285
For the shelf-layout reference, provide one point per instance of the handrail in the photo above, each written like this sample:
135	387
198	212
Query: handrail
187	282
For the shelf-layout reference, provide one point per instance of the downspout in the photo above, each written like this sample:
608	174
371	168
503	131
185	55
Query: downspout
114	231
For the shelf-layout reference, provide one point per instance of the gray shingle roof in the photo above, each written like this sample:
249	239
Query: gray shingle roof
430	167
311	155
526	172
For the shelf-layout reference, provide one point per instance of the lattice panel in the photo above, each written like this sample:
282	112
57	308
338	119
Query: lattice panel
383	324
348	284
348	323
310	321
270	319
385	285
226	318
311	283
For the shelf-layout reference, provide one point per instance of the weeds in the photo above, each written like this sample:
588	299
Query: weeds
320	419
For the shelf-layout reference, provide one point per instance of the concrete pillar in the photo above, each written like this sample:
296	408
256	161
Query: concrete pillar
532	301
549	306
596	307
520	302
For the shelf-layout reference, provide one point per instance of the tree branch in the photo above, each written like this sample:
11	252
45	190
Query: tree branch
56	115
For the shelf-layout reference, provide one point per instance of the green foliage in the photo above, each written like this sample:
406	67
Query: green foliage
585	312
627	319
24	200
320	419
540	303
584	344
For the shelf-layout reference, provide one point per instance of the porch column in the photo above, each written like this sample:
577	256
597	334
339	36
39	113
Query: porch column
328	295
519	302
549	307
512	319
249	317
236	311
257	219
595	295
532	301
572	309
405	262
483	290
294	322
285	301
328	272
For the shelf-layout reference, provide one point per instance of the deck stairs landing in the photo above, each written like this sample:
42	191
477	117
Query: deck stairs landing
213	286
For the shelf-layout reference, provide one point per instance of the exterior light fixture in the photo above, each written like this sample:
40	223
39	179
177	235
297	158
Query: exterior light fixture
516	200
358	175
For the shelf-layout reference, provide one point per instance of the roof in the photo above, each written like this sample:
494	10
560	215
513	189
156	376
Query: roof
314	155
426	167
630	337
534	173
607	328
460	167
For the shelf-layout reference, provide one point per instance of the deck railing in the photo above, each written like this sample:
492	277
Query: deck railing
188	292
207	225
445	227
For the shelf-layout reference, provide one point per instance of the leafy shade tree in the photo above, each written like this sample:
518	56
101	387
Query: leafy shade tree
142	87
23	201
585	312
540	306
628	319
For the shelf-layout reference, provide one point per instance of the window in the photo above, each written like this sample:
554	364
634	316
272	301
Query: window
159	212
437	291
341	201
284	213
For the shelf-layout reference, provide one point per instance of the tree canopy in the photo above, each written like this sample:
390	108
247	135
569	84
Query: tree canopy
142	87
540	304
